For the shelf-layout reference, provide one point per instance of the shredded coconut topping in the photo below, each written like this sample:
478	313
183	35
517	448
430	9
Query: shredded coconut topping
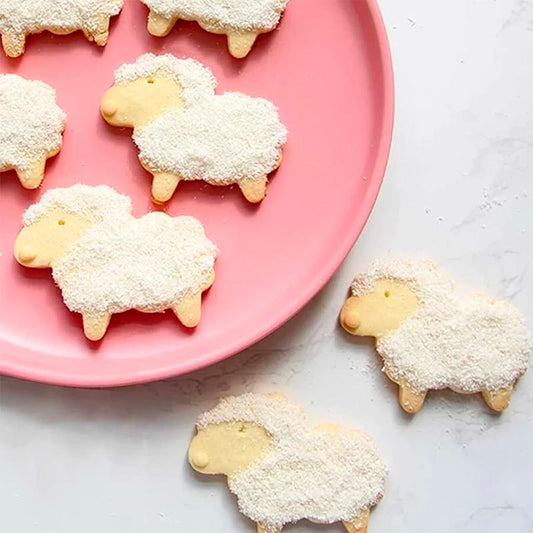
32	16
195	80
149	263
325	475
97	204
466	342
227	14
31	122
220	139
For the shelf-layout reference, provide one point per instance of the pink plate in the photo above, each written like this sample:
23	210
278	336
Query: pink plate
328	69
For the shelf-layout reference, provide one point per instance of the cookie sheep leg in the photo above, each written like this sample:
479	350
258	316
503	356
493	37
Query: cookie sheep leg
240	44
189	310
159	25
410	400
498	400
95	327
164	185
262	529
13	44
358	524
101	33
254	190
32	176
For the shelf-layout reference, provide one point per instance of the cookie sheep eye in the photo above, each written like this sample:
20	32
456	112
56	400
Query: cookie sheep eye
387	294
61	222
151	80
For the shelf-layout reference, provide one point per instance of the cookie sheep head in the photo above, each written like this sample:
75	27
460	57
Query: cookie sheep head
253	437
379	311
154	84
228	448
60	218
432	337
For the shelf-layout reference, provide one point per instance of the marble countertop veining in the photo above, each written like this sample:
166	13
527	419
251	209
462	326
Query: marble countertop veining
458	190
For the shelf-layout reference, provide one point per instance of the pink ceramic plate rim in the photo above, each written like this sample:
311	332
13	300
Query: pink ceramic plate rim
217	354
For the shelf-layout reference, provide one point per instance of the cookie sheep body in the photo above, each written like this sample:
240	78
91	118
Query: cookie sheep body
467	343
19	18
242	21
219	130
118	262
186	132
31	127
325	474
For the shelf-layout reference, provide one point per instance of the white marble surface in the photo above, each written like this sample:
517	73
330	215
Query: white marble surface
458	189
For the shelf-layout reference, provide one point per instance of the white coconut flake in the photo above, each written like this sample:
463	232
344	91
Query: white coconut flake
228	14
196	81
32	16
221	139
465	342
318	474
31	122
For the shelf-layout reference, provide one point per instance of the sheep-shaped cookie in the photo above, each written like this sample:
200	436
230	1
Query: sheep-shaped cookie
432	337
31	124
186	132
282	469
105	261
240	20
19	18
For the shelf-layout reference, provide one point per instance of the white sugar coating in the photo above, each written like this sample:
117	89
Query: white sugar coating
196	81
31	16
31	122
226	14
466	342
97	204
221	139
311	473
150	263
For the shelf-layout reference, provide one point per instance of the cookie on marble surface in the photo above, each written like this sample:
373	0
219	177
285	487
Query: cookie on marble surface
432	336
19	18
241	21
184	131
282	469
105	261
31	127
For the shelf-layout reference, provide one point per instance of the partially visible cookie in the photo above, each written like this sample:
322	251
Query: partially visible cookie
19	18
105	261
282	469
432	336
241	20
31	127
